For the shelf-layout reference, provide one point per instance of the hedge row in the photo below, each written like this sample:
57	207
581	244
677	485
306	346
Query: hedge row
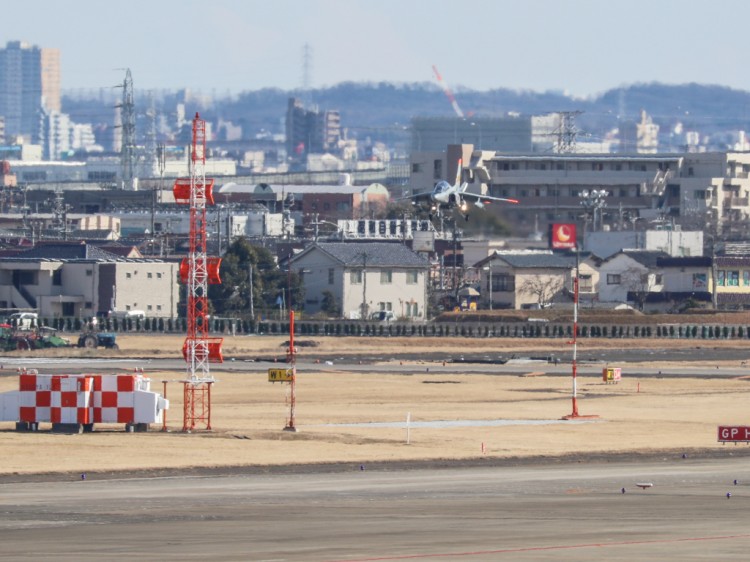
354	328
514	330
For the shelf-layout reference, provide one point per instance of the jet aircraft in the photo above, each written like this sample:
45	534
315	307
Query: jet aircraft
447	196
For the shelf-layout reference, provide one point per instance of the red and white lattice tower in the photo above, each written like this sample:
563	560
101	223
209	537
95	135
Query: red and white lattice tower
197	271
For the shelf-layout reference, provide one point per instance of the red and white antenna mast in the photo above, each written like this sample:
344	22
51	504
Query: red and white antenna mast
197	271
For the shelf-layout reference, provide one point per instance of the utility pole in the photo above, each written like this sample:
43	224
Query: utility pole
364	285
250	277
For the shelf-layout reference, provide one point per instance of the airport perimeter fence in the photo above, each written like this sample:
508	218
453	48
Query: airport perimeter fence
231	326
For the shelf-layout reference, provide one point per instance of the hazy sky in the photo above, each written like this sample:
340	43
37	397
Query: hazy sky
583	47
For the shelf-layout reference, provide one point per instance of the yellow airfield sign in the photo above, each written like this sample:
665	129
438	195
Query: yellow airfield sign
280	375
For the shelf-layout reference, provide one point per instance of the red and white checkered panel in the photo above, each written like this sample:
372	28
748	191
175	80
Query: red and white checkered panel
35	397
113	398
71	399
55	398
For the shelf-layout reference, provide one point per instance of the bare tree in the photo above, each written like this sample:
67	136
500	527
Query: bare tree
639	283
542	287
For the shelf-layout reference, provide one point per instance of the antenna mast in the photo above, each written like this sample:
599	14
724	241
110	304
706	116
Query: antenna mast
197	271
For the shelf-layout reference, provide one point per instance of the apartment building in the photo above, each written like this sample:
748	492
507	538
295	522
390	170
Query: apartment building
76	279
693	190
29	82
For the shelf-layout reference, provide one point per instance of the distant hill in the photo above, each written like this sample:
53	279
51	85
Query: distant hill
377	108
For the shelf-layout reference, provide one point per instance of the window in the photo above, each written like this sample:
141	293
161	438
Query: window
355	277
57	277
658	279
89	305
128	275
127	307
89	272
721	276
412	277
158	307
699	194
613	279
585	283
150	275
331	273
733	278
700	281
149	308
437	169
158	275
416	168
386	277
746	278
502	282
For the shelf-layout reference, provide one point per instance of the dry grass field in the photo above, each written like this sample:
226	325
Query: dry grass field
637	416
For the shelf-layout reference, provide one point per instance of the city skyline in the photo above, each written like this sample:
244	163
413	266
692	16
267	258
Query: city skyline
582	47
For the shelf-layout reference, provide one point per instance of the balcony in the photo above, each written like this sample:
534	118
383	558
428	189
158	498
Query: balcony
736	202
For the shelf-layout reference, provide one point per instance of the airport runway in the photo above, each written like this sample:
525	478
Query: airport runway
518	366
560	512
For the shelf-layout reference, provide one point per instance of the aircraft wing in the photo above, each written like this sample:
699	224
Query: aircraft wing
421	196
483	199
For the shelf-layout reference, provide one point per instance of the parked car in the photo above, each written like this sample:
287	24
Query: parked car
383	316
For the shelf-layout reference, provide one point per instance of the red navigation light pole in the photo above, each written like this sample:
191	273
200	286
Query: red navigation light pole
563	236
197	271
292	360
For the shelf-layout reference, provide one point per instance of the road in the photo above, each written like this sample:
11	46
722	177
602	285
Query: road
561	512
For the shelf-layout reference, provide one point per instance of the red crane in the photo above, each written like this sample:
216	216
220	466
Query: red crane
448	92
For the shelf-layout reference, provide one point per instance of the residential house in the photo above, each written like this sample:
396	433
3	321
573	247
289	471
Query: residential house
630	275
364	278
732	276
525	279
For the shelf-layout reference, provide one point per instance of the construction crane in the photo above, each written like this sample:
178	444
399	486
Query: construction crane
448	93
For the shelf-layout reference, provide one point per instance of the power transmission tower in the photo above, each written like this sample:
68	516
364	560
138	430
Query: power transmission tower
127	119
567	132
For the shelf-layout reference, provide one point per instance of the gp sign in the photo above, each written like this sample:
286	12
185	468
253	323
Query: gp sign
734	433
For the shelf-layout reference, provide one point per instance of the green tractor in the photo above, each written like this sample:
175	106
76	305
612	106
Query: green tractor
38	338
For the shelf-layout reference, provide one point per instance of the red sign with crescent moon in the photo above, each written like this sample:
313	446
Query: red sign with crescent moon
563	236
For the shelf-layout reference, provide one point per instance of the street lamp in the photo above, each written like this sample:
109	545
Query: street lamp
592	201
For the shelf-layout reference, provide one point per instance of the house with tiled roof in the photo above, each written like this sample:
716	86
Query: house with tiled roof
529	278
630	275
364	279
76	279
